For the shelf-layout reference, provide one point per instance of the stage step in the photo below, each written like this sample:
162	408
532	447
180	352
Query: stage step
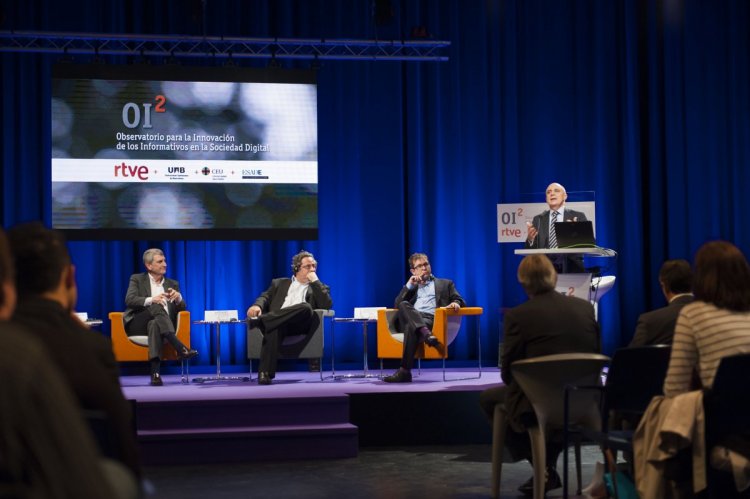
271	443
184	432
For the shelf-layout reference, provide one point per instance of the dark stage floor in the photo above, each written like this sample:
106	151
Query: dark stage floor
436	472
424	455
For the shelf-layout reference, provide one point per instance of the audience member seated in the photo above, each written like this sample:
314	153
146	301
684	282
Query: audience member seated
47	294
717	324
549	323
714	326
46	449
657	326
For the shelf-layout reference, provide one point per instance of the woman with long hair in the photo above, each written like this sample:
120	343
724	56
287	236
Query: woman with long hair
717	323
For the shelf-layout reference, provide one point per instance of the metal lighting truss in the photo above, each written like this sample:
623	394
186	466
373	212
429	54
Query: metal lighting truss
221	47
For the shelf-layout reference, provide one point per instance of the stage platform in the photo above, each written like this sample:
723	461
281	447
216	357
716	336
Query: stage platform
302	417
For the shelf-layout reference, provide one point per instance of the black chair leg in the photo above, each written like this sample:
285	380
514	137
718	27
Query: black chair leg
578	464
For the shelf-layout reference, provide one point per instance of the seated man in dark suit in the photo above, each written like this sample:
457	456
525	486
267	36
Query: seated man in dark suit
286	308
47	294
657	327
153	302
549	323
416	304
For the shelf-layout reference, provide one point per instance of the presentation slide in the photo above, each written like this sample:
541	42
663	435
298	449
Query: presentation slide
160	152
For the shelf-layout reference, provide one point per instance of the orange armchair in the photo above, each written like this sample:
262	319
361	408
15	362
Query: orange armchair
135	348
445	328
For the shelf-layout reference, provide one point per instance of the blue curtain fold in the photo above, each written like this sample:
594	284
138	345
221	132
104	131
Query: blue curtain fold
645	103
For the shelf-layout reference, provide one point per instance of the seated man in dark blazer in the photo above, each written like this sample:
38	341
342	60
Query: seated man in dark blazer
153	302
286	308
657	327
416	304
548	323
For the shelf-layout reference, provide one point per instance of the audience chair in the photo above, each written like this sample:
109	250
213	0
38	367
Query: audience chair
634	378
543	381
135	348
445	328
727	411
293	346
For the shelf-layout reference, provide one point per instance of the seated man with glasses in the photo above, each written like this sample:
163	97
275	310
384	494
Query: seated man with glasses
416	304
286	308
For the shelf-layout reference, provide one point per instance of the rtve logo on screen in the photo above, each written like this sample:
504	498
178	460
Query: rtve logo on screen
125	170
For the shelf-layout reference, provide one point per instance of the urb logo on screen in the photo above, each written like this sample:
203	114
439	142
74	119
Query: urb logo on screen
125	170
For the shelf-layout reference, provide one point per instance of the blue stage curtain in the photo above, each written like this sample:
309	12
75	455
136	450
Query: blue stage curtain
646	103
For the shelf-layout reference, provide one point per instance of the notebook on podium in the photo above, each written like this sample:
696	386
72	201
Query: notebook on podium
575	234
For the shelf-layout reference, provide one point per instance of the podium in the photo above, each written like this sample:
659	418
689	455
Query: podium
581	285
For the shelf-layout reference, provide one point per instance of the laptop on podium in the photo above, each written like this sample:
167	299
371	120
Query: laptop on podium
575	234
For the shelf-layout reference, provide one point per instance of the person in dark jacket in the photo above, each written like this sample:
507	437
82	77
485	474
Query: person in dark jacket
47	295
657	326
416	304
286	308
548	323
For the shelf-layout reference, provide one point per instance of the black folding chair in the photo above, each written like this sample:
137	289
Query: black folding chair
635	376
727	410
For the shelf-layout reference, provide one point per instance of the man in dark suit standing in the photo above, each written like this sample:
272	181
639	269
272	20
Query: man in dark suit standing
416	304
548	323
538	235
657	327
540	232
286	308
152	302
47	294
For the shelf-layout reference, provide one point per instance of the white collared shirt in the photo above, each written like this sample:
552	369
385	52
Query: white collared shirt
680	296
157	288
560	215
296	294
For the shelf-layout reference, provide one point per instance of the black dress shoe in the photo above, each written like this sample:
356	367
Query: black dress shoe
156	380
264	379
187	354
432	341
399	376
552	481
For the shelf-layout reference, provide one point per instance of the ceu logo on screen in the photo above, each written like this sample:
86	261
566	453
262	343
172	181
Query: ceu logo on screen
205	170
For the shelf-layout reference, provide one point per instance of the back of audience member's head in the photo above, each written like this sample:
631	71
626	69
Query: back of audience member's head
676	276
722	276
7	280
537	275
41	258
